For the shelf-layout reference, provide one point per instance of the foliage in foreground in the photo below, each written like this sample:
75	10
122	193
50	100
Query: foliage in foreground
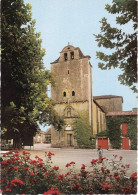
21	174
25	101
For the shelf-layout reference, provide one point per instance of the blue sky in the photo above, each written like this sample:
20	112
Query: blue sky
75	21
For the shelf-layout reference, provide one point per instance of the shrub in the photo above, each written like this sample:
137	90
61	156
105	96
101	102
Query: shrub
22	175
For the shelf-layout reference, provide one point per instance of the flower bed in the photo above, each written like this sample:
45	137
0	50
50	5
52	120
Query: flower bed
22	175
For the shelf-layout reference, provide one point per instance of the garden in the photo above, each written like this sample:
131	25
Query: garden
22	175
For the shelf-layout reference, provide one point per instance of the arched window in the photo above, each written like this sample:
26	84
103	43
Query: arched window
64	94
72	55
73	93
65	56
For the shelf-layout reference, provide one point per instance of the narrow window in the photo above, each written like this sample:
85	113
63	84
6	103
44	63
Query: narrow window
64	94
73	93
72	55
65	56
68	71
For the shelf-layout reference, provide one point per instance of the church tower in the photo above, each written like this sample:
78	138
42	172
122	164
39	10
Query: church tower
72	93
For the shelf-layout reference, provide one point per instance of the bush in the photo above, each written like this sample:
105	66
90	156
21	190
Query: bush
21	174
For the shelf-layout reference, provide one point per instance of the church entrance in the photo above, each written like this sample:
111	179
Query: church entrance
69	139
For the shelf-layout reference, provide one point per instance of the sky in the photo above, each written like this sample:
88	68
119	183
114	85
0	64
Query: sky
75	21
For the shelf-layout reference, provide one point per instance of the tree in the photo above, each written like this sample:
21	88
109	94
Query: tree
82	132
123	45
24	78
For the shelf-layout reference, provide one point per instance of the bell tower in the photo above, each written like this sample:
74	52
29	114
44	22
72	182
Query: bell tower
72	93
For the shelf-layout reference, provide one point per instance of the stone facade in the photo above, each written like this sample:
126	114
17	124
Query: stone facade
110	103
72	95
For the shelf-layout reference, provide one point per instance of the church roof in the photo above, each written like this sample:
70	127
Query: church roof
122	113
70	47
106	97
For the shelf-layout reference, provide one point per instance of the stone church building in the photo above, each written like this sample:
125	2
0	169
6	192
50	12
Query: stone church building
73	95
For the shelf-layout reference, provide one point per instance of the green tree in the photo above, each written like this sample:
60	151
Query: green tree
24	78
83	132
123	45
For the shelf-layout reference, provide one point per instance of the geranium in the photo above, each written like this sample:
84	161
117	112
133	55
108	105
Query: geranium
32	173
8	190
16	168
47	174
93	162
55	168
67	174
49	154
120	157
83	166
52	191
133	176
68	164
76	187
16	181
60	177
105	186
16	154
25	153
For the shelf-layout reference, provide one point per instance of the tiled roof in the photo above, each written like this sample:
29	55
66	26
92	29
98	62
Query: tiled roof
106	97
123	113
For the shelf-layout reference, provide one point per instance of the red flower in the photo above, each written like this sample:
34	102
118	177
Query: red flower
68	164
133	176
16	168
32	173
4	162
16	181
49	154
67	174
25	153
16	154
90	192
83	166
120	157
117	177
47	174
105	186
102	169
61	177
55	168
99	161
72	162
115	155
8	190
93	162
52	191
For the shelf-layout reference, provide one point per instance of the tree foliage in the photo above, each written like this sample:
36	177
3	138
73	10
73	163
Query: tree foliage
24	78
83	132
122	44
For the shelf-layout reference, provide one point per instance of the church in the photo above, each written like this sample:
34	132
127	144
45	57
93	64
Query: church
73	95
